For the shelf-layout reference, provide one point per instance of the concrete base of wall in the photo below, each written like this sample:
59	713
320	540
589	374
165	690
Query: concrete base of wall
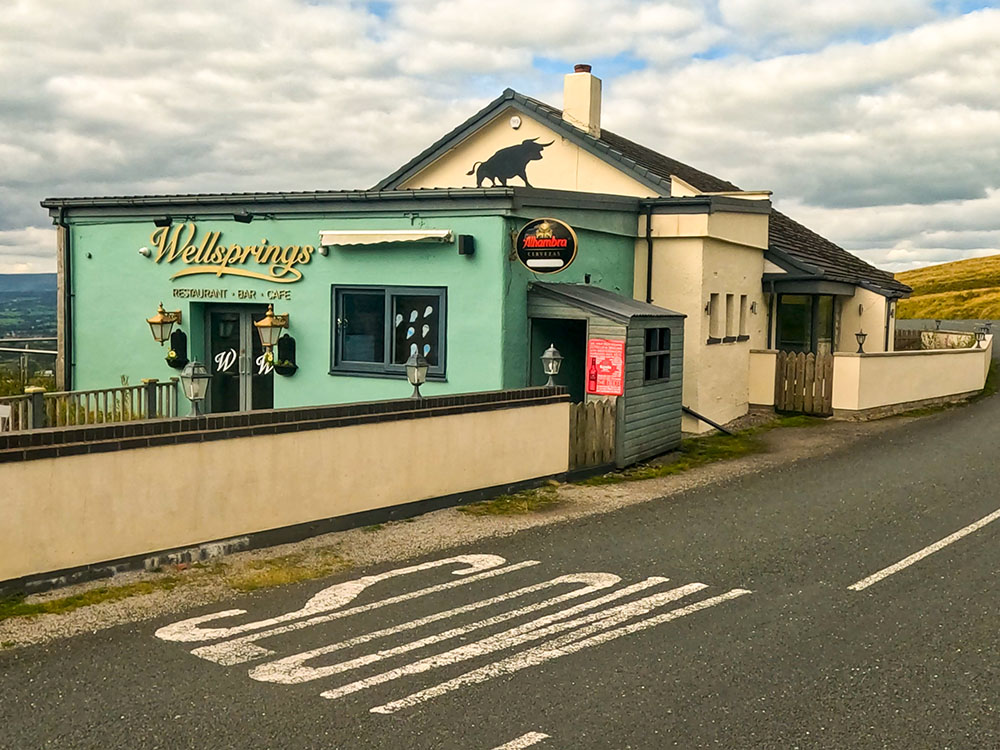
878	412
41	582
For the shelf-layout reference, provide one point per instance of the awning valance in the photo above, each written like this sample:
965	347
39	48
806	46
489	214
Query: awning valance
382	236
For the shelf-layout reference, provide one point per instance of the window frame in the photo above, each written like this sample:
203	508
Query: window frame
386	368
648	354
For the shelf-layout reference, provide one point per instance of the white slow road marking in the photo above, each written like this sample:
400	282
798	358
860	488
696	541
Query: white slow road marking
525	740
565	645
240	650
290	670
332	597
530	631
929	550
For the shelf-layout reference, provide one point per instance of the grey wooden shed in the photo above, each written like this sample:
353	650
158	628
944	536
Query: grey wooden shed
648	413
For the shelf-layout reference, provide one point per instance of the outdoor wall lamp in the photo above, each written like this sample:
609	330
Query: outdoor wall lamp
163	221
269	327
162	323
980	336
194	380
416	373
145	252
551	362
243	217
753	307
861	336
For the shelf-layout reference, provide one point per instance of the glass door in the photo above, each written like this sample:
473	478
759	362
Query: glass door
241	379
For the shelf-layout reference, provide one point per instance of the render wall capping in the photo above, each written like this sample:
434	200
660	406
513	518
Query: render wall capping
67	441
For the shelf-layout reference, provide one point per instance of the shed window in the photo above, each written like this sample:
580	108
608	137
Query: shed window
376	329
657	355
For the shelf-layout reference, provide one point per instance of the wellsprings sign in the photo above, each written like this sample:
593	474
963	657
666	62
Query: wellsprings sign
205	254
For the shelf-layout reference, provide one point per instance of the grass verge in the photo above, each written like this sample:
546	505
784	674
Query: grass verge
16	606
529	501
699	451
280	571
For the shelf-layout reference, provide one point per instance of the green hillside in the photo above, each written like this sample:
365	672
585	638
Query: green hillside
960	290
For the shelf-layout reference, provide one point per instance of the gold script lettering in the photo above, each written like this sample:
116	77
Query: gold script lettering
179	242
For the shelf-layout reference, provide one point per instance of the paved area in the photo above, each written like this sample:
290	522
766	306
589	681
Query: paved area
847	601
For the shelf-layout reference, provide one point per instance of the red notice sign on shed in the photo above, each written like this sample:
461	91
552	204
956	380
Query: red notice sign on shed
605	367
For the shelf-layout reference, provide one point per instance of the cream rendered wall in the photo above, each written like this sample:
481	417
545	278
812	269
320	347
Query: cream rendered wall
563	166
871	321
870	381
689	265
77	510
724	368
762	364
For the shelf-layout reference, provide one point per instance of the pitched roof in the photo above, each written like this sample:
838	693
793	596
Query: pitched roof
614	306
788	240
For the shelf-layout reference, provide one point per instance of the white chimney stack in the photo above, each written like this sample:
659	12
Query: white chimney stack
582	100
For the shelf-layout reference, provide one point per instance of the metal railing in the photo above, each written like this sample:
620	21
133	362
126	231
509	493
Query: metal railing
153	399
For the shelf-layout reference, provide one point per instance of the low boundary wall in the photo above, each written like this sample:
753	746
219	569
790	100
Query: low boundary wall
76	499
883	383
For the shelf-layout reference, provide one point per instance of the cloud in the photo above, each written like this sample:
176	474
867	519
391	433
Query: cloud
842	109
29	250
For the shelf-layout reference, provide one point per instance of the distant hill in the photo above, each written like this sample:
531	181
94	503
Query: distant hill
27	282
960	290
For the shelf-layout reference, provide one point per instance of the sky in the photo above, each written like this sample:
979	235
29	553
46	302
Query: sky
877	124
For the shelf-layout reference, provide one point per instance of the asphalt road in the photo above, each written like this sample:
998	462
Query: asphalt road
801	661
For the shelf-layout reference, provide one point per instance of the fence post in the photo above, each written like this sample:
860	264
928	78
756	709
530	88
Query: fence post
36	409
149	387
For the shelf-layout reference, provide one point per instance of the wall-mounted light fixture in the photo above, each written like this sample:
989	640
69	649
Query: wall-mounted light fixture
753	307
861	309
145	252
243	217
708	307
269	327
861	336
980	336
323	250
163	221
162	323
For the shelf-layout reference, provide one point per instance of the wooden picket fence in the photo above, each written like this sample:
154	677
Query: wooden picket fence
803	383
592	434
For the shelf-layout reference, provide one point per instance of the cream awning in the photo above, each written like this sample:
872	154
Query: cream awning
381	236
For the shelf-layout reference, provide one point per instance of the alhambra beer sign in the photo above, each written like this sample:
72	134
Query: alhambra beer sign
546	245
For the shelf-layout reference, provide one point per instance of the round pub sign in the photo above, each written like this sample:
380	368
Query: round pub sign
546	245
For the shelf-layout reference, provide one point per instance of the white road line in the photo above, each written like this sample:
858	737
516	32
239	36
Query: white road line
291	670
527	632
525	740
556	648
240	650
329	598
929	550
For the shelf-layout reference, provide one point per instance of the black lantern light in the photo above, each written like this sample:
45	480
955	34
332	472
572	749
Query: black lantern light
551	362
269	327
162	323
194	380
416	373
861	336
980	336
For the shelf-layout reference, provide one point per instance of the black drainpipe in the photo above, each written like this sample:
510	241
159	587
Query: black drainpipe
67	303
770	314
649	253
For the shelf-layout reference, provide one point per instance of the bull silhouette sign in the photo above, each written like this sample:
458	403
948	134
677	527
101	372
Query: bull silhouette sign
508	162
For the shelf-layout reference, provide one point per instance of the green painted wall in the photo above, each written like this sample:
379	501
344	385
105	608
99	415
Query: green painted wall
603	253
116	289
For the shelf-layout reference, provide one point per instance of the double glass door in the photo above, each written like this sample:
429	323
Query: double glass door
241	378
